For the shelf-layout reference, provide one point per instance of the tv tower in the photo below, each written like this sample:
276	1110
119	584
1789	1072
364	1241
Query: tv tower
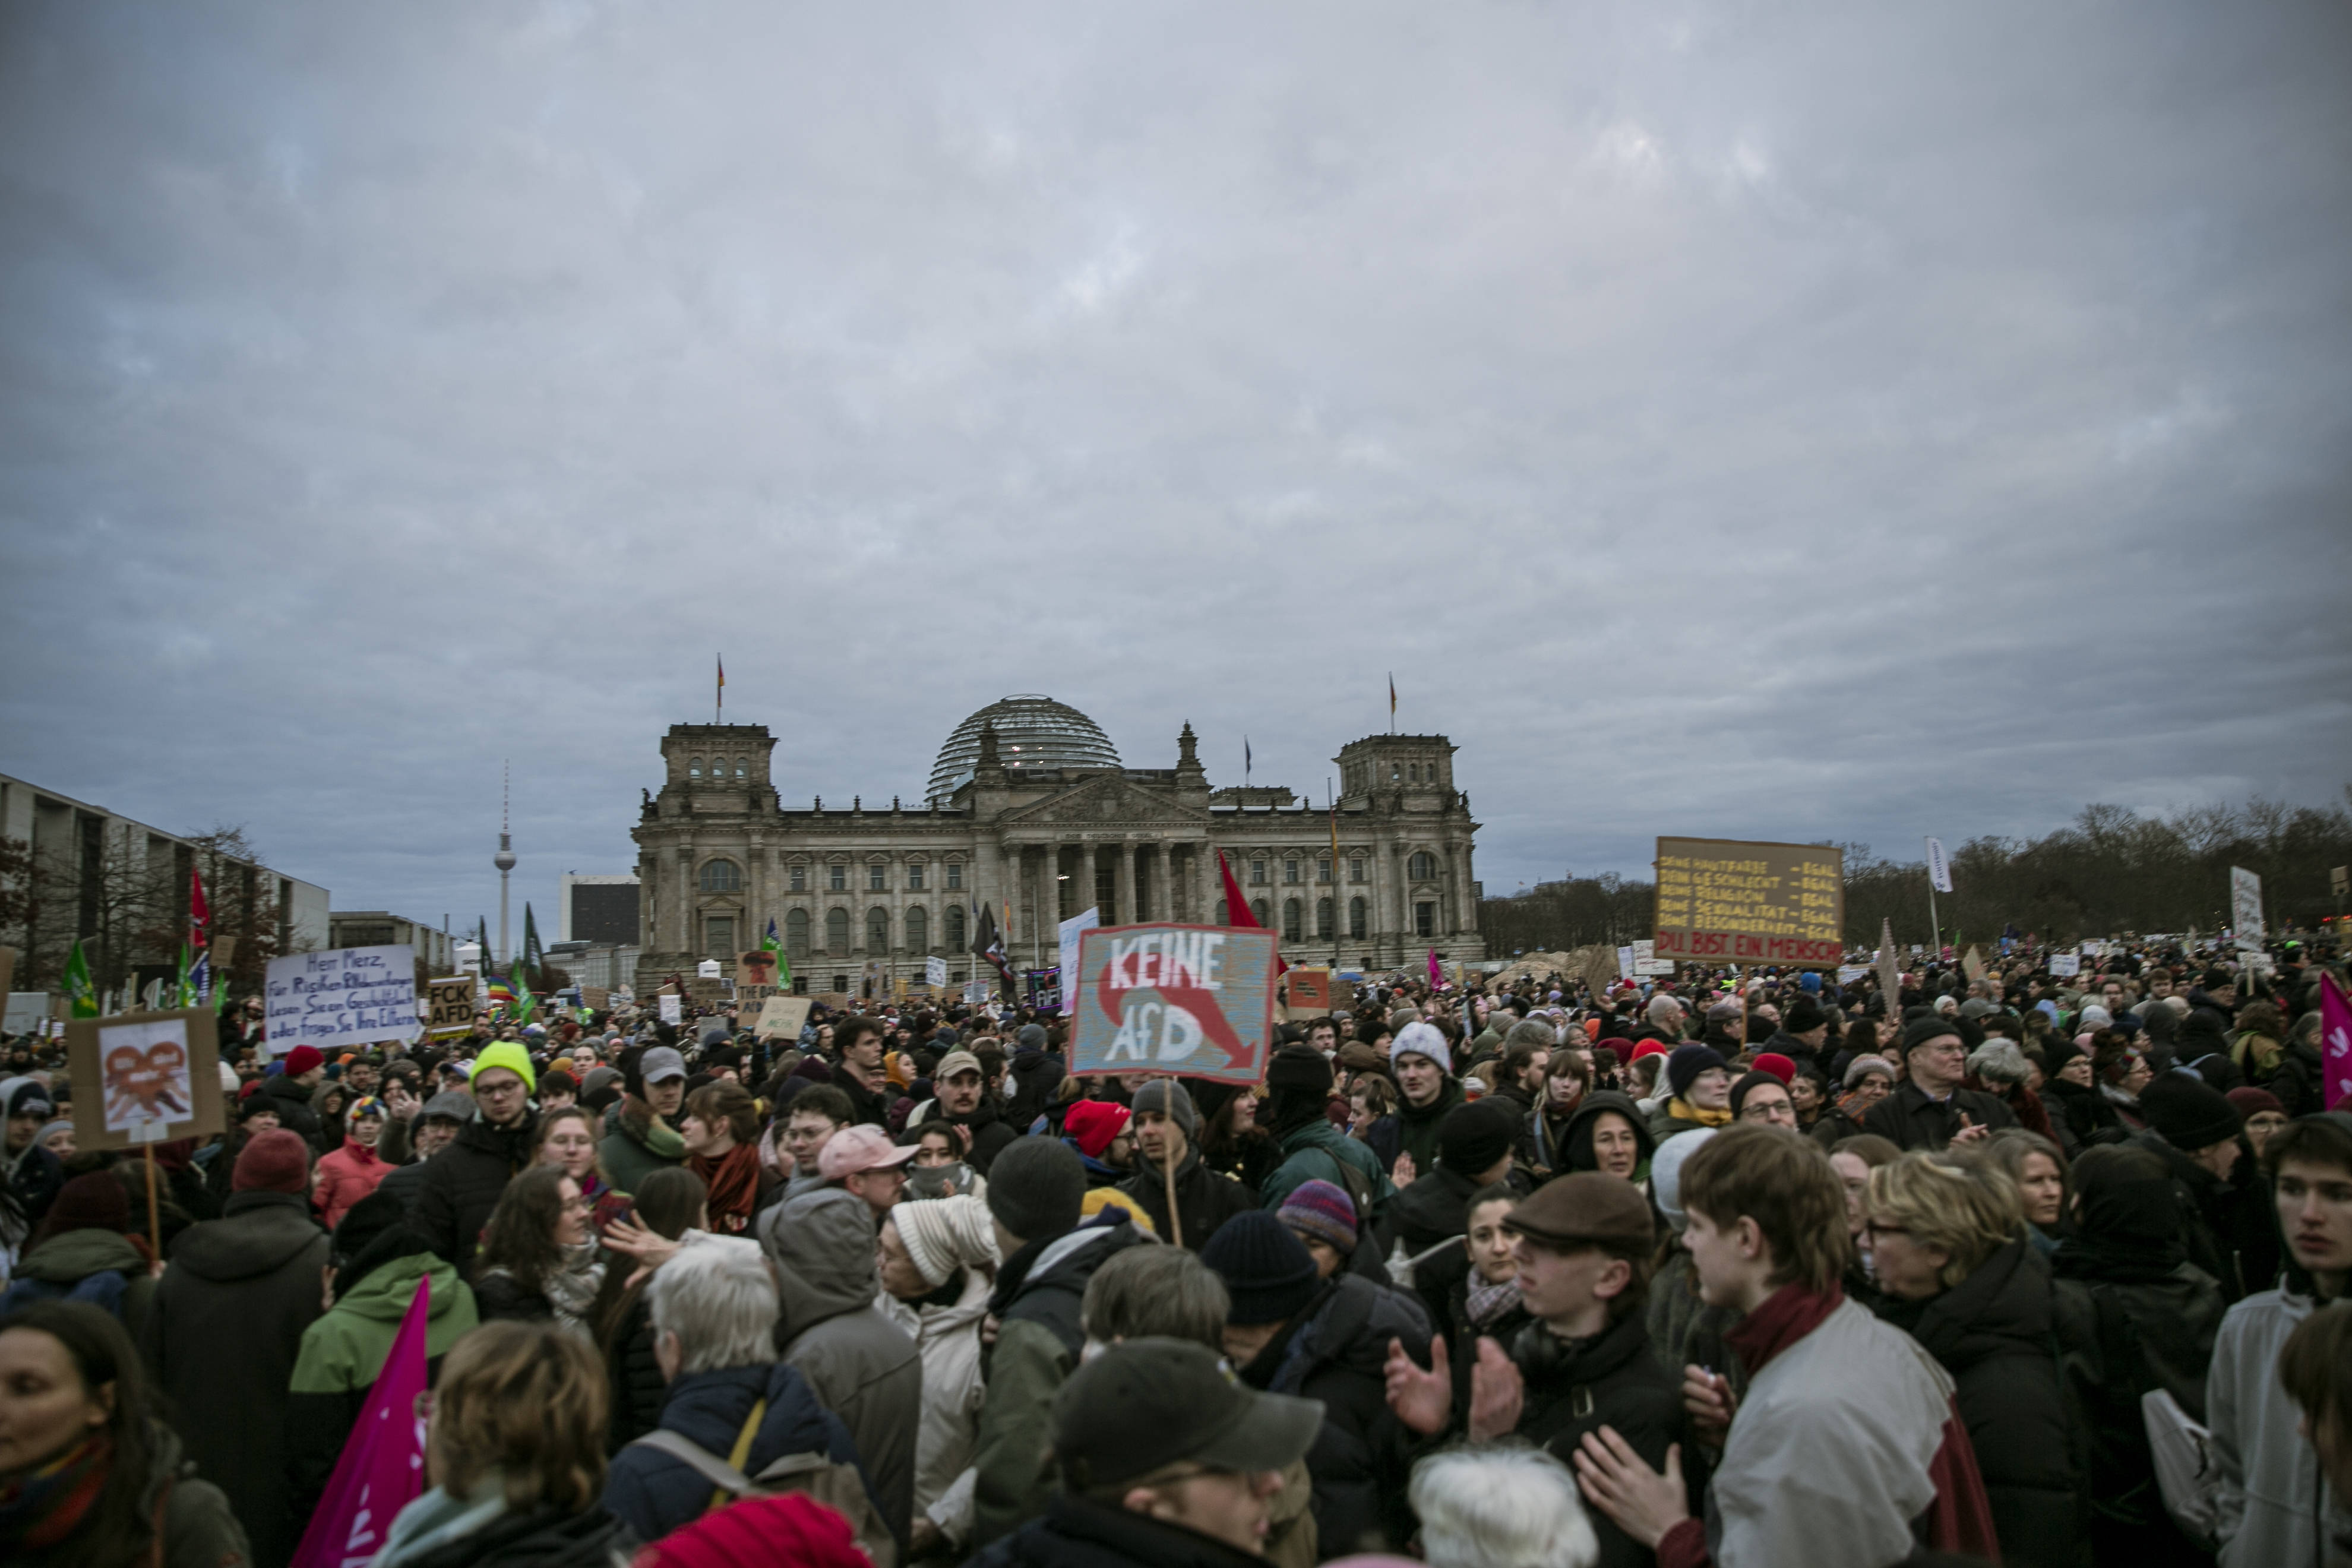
504	860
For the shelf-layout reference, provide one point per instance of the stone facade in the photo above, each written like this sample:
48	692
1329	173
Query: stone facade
1038	839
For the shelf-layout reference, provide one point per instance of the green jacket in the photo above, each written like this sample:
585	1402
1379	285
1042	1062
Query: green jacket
344	1350
632	1151
70	1258
1310	1152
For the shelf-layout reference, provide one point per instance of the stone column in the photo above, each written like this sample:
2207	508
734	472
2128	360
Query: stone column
1162	907
1122	885
987	875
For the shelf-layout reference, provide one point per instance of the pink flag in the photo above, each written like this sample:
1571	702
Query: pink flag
2334	1042
1437	976
383	1467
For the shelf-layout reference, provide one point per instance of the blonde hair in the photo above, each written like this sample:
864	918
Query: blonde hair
1952	1201
526	1401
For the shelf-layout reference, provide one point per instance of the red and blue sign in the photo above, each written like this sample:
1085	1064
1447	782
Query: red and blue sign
1197	1001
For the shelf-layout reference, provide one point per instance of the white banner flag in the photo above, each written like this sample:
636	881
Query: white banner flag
1940	869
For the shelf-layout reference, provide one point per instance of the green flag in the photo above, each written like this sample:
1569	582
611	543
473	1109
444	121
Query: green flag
784	959
526	1003
186	988
79	992
532	957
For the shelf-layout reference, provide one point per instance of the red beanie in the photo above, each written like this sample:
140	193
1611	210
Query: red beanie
1779	1067
276	1162
301	1059
1620	1048
1649	1048
793	1531
1092	1124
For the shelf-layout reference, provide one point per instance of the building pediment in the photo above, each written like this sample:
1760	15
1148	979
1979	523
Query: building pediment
1105	802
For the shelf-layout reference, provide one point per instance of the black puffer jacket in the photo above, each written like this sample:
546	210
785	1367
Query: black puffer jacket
1204	1199
292	1103
2232	1230
461	1185
1576	1387
1992	1332
1335	1352
634	1374
2124	1330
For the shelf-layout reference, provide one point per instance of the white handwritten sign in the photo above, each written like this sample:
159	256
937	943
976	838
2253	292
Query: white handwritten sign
345	996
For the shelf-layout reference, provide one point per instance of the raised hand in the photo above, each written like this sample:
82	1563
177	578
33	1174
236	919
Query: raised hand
1424	1401
1497	1393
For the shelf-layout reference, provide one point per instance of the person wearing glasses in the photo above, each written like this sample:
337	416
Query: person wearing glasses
1928	1108
462	1183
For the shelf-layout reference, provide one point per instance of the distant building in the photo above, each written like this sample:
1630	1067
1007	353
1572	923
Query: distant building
374	928
1030	813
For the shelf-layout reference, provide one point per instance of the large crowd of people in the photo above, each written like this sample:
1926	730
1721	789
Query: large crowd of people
1747	1269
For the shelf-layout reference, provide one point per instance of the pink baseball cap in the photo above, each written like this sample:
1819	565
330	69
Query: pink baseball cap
860	1148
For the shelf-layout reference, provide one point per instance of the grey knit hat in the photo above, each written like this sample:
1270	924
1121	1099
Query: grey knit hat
1035	1187
1167	1096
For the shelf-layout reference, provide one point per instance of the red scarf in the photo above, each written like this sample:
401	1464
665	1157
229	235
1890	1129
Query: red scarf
43	1506
733	1179
1788	1315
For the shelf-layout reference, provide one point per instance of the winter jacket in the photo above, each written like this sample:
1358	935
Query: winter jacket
344	1350
2121	1334
1574	1387
199	1529
947	1336
653	1493
293	1105
542	1538
1031	1078
2082	1115
2275	1508
636	1143
633	1375
2298	1081
1417	1124
35	1176
2232	1226
1361	1456
462	1184
1076	1534
248	1281
1992	1333
1035	1302
864	1367
1909	1120
1313	1152
1434	1210
1573	1151
1204	1200
65	1262
346	1176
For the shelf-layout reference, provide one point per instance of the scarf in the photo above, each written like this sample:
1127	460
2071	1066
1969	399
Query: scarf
1788	1315
1682	1109
435	1518
733	1179
571	1288
41	1507
1483	1303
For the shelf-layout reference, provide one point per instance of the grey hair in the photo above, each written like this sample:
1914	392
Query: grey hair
1531	1033
1162	1292
2000	1060
1663	1007
719	1298
1500	1508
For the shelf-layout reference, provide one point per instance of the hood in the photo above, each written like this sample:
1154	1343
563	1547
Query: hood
823	1243
1081	1252
261	1233
78	1254
383	1296
1576	1145
1352	1326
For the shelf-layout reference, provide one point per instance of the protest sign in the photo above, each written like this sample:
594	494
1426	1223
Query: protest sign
1939	869
1731	901
383	1466
975	993
708	990
757	967
1890	972
1042	987
1973	965
1850	973
2246	908
156	1077
341	999
1196	1000
2334	1042
1072	930
1647	964
2066	965
781	1017
27	1011
673	1008
935	969
838	1001
708	969
595	996
449	1006
1310	990
1625	963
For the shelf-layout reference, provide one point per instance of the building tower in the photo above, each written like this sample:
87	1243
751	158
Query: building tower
504	860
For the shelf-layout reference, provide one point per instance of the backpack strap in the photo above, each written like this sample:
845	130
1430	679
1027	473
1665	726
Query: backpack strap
726	1476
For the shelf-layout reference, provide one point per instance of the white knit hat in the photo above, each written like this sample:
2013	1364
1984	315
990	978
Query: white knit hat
943	1234
1421	1039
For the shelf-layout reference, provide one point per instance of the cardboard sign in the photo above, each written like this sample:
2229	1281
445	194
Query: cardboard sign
2066	965
935	969
1731	901
156	1077
1647	964
1196	1000
673	1008
27	1011
781	1017
706	992
2246	908
1973	965
757	967
838	1001
595	996
449	1007
1310	990
343	999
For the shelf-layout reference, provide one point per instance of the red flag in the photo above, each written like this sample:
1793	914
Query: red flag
200	914
2334	1042
1237	910
383	1467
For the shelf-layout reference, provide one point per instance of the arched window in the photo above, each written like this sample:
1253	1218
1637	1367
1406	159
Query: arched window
953	925
1413	772
1290	929
918	929
1323	919
722	877
1356	917
796	934
878	930
836	932
694	769
1257	907
740	772
1422	867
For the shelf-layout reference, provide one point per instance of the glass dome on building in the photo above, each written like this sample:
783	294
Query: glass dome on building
1032	731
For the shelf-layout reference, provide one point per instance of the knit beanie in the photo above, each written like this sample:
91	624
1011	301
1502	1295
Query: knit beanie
2188	1114
1748	1083
1622	1048
1267	1271
277	1161
943	1234
1423	1040
1320	1211
1779	1067
1300	1068
1863	1067
510	1055
1472	1137
2251	1102
1666	1173
791	1528
92	1201
1933	1026
1167	1096
1805	1016
301	1059
1687	1062
1034	1187
1093	1123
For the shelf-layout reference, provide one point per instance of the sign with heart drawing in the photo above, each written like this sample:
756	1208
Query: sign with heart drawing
157	1077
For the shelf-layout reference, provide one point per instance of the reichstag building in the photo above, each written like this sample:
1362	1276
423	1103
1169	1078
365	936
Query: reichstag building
1031	812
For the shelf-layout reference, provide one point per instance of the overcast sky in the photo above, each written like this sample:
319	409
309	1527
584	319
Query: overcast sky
1767	421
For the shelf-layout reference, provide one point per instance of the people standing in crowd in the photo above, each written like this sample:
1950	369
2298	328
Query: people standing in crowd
810	1119
90	1476
1323	1218
34	1174
667	1204
961	1100
641	1132
2196	1130
462	1184
514	1458
862	1162
1868	1080
1167	1132
2038	1171
859	1073
938	1263
1430	1217
433	1131
567	1140
1422	1065
352	1170
1928	1108
720	1130
539	1261
1608	1135
1501	1508
248	1280
301	1072
85	1251
1298	1083
1698	1092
